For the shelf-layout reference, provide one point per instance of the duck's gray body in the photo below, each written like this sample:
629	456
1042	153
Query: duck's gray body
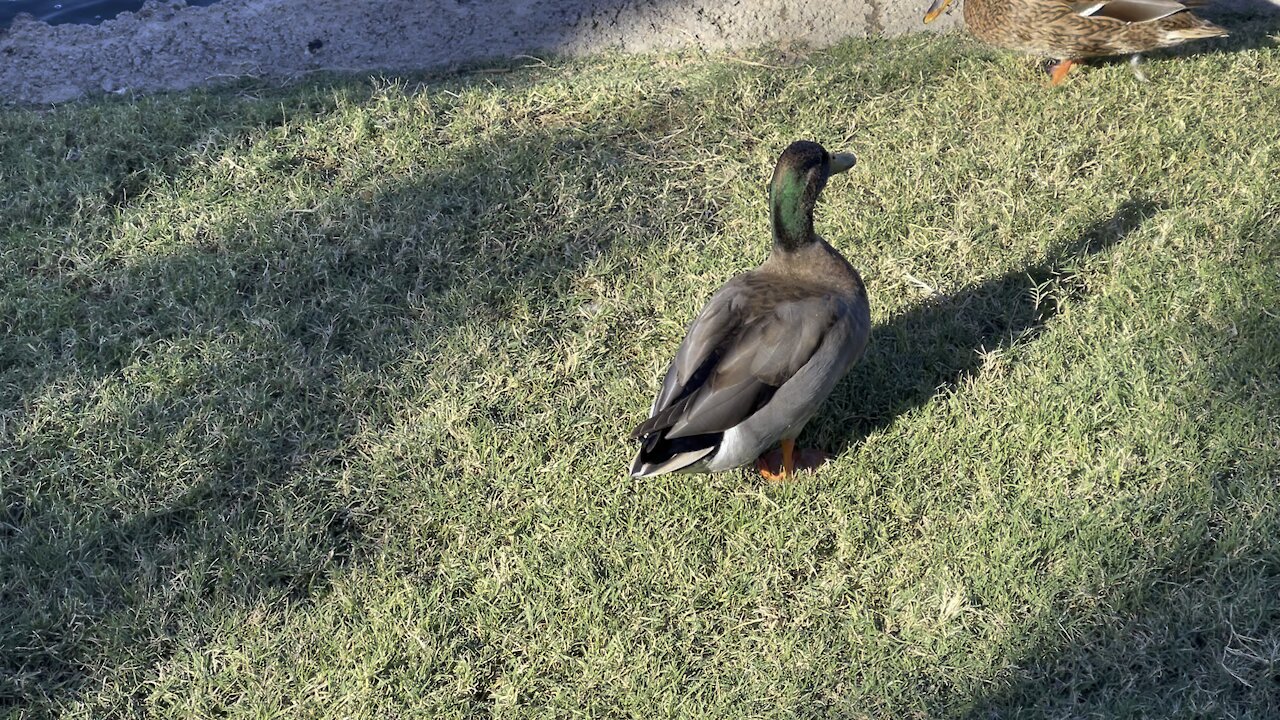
758	360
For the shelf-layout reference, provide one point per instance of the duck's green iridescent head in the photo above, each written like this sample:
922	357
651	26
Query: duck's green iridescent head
798	179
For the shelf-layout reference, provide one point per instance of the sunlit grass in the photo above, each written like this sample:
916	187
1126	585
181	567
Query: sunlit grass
314	400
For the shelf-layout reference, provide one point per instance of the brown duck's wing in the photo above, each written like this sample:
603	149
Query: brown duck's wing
1130	11
749	340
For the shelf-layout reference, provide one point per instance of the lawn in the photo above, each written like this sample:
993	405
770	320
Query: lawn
314	400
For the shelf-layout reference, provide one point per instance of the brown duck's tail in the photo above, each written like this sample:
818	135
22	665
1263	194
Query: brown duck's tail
1184	26
1207	30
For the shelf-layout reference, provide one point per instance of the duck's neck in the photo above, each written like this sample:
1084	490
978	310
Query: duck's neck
791	200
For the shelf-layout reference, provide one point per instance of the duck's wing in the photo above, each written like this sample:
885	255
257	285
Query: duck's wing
1131	11
747	342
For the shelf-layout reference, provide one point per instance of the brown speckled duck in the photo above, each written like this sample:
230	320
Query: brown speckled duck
1069	31
769	346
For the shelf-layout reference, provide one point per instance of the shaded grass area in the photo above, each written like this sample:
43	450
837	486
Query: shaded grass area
315	399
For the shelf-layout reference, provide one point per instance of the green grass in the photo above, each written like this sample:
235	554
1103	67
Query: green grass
314	400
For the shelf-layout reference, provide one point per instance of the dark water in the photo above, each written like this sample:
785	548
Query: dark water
72	11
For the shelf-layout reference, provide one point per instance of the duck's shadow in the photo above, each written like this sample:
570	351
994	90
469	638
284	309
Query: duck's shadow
1250	22
934	347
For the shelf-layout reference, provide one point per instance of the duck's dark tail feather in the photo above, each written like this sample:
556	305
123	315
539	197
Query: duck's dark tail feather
659	455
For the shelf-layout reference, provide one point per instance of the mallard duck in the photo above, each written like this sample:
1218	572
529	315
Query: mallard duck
1068	31
769	346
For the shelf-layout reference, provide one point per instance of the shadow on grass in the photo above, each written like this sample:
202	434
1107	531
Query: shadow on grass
178	432
931	349
1249	22
1197	632
97	559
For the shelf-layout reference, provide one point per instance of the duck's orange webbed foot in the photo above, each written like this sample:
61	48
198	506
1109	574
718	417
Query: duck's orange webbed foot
781	465
1058	72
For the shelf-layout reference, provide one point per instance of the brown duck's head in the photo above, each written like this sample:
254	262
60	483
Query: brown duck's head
798	179
935	10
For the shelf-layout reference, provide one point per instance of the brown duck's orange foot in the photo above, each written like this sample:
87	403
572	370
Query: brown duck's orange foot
1058	72
773	465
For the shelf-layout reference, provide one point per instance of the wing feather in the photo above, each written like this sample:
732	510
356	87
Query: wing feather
1130	11
740	349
